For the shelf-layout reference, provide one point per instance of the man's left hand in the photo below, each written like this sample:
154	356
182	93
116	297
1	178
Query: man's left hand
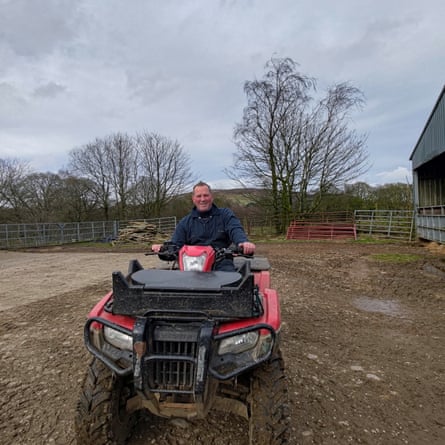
248	248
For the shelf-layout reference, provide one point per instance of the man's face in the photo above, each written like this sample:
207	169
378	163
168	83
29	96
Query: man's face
202	198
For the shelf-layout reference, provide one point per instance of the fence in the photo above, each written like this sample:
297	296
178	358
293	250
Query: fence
14	236
398	224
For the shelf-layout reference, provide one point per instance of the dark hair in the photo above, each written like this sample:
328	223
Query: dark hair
202	184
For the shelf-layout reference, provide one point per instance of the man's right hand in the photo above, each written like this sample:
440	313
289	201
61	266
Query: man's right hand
156	247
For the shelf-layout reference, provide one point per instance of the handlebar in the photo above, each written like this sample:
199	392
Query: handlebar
231	251
170	252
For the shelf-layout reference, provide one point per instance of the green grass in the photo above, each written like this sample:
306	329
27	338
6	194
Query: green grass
397	258
376	240
268	239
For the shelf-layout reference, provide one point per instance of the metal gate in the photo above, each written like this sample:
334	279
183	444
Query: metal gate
399	224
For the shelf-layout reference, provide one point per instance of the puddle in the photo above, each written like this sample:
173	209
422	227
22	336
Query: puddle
387	307
429	268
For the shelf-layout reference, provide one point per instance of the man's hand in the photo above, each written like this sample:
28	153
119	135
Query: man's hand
156	247
248	248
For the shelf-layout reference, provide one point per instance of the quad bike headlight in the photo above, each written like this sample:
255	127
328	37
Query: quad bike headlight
238	343
194	263
240	352
118	339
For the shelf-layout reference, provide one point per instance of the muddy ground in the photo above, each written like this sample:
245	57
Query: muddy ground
363	340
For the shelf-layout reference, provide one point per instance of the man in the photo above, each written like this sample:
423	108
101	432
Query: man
208	225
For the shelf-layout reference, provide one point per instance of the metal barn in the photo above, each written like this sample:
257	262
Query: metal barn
428	164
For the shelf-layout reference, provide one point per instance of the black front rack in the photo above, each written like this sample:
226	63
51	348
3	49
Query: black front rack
219	295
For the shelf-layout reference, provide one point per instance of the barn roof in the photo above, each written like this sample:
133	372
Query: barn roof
431	142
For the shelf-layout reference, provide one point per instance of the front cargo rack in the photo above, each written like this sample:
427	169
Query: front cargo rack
217	294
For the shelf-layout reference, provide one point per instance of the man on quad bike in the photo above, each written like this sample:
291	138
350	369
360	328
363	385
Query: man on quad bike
208	225
201	334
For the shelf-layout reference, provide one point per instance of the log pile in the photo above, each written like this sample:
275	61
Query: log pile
141	233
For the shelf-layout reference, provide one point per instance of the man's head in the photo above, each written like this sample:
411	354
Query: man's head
202	196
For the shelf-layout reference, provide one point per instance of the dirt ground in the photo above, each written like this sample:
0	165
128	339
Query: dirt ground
363	340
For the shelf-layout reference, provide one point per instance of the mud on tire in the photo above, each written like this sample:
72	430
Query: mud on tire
101	418
269	404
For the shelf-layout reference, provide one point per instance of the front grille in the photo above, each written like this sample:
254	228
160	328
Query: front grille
176	373
172	357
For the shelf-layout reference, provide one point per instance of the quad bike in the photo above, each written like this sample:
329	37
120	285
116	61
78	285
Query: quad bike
182	340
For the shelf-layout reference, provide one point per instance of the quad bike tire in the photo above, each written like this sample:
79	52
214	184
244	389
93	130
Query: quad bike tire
101	418
269	404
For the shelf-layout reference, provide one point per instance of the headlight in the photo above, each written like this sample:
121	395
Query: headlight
194	263
240	352
118	339
238	343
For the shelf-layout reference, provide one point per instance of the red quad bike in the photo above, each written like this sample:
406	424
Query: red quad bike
182	340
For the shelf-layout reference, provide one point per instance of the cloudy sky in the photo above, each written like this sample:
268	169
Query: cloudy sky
71	71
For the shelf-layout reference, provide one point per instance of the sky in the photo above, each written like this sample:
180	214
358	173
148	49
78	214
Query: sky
74	71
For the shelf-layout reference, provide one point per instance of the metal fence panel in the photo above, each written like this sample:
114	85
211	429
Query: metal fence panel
430	223
15	236
397	224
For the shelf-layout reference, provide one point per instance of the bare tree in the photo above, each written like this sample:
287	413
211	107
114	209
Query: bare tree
333	154
44	194
397	196
164	172
292	145
146	170
91	161
30	196
269	131
13	193
80	198
122	168
363	191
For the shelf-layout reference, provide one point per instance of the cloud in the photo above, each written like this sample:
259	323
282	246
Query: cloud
151	87
12	104
38	27
74	71
399	174
49	90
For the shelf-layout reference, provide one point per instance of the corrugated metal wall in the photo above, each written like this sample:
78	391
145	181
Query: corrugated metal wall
432	140
428	162
431	228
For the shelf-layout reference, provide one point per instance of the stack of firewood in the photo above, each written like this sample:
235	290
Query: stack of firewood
141	233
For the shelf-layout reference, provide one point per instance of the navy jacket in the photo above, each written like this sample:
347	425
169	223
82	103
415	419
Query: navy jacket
219	227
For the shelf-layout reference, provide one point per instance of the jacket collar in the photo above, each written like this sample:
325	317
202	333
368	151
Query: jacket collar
212	211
